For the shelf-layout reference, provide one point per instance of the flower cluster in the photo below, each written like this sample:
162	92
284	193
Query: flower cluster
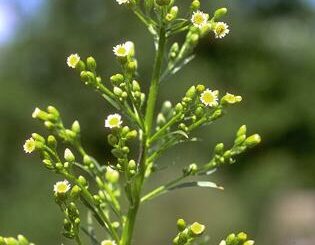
100	185
240	239
188	233
21	240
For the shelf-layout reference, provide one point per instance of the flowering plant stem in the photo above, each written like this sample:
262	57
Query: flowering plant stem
151	104
155	131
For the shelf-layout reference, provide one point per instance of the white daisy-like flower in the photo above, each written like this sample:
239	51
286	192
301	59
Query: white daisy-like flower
36	112
209	97
122	1
108	242
62	187
113	121
221	29
73	60
199	19
29	145
122	50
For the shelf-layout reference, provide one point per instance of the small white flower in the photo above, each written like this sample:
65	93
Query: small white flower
222	242
36	112
113	121
122	1
122	50
209	97
199	19
108	242
29	145
62	187
221	29
73	60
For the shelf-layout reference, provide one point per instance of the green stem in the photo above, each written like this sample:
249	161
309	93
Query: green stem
153	92
134	206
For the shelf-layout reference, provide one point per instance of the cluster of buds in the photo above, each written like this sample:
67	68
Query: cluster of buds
188	233
71	223
118	139
52	121
21	240
241	144
201	106
239	239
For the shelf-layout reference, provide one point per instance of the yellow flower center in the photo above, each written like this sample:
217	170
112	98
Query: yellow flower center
114	121
121	51
197	228
220	29
208	98
62	188
199	19
73	60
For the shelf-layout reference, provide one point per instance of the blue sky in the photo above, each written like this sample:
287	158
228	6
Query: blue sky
11	12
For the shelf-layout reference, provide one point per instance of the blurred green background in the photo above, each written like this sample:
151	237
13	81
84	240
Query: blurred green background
269	58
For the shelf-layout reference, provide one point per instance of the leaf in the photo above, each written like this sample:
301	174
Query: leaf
182	64
203	184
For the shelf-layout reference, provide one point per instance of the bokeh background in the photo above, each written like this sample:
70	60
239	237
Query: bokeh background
269	58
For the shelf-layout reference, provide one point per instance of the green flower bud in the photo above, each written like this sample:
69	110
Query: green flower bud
191	92
10	241
132	134
179	108
135	86
76	127
117	79
193	168
59	166
75	192
39	114
52	110
91	64
172	14
117	91
181	224
252	141
239	140
82	181
132	66
199	112
38	137
242	131
112	139
87	160
125	130
112	175
173	51
124	95
195	5
230	239
242	237
219	13
193	39
117	153
68	155
70	134
197	229
160	121
200	88
231	99
219	148
132	165
22	240
126	149
162	2
166	107
52	142
80	66
49	125
48	164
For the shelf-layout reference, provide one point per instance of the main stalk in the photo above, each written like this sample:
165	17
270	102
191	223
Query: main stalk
150	109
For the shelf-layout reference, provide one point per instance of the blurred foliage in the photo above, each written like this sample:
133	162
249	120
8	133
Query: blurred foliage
269	59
